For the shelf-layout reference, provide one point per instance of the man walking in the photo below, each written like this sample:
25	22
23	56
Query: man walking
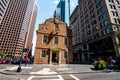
26	60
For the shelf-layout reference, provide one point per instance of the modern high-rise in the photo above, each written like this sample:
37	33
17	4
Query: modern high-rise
3	7
16	26
98	22
32	19
60	10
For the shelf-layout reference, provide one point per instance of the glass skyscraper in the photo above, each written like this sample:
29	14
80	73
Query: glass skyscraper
60	10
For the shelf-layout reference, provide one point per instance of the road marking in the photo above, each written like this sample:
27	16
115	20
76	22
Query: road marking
44	76
50	79
60	77
44	71
62	69
74	77
27	67
30	77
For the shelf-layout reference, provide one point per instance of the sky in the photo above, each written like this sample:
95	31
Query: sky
46	9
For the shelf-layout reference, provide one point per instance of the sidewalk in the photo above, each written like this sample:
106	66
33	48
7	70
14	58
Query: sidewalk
45	69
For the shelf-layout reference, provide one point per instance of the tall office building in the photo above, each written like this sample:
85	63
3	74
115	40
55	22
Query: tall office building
3	7
32	19
14	26
60	10
98	22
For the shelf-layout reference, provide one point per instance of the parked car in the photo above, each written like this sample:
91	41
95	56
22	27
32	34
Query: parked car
4	61
16	61
8	60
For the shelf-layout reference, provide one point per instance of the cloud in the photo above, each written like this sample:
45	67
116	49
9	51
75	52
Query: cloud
56	1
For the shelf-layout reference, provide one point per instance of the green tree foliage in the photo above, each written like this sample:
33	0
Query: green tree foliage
117	34
2	54
99	64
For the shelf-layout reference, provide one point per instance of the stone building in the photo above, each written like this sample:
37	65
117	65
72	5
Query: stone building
96	23
54	43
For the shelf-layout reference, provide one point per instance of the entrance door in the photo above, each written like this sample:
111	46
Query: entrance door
54	57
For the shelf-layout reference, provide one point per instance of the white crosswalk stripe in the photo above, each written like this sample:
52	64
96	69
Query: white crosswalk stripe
74	77
53	77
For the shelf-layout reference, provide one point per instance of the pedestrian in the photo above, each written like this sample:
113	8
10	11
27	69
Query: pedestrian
26	60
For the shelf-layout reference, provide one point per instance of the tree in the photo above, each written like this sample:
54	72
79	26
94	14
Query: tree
117	34
2	54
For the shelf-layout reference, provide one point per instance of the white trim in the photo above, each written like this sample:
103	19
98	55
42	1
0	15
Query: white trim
42	39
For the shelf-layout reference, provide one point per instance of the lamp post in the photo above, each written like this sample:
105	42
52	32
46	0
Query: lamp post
19	67
68	58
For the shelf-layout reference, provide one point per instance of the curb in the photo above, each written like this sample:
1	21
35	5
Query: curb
54	74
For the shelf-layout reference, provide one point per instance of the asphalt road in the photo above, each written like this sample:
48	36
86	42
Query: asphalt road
88	76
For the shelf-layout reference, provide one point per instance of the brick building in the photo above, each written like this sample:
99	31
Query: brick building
54	43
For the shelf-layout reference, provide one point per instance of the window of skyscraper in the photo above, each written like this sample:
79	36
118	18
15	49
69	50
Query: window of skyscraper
117	2
103	24
119	7
1	10
107	31
114	13
112	6
102	9
103	16
3	2
99	4
96	1
0	15
117	21
110	1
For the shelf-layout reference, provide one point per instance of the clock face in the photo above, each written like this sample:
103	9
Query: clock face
57	21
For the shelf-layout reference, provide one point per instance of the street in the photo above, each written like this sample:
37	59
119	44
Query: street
87	76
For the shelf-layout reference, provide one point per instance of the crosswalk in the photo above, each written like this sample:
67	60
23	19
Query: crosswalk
52	77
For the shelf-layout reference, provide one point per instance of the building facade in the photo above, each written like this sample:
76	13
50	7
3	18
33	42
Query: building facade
74	20
3	7
14	26
54	43
32	19
98	22
60	10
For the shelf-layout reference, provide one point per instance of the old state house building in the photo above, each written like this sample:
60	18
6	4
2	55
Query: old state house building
54	43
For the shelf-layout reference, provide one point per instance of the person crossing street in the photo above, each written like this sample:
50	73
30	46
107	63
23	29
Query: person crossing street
26	60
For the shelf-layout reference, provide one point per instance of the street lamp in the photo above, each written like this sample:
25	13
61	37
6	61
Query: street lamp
19	67
67	58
